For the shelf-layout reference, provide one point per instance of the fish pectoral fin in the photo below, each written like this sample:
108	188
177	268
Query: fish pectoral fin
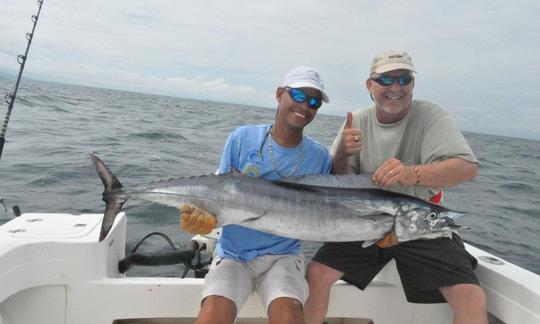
369	243
254	218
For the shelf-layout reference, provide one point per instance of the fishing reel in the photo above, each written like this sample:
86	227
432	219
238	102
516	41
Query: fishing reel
208	242
192	258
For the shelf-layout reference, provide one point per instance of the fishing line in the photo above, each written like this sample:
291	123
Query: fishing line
10	97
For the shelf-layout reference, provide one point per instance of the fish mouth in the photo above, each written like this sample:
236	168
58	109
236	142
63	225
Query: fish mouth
446	222
454	214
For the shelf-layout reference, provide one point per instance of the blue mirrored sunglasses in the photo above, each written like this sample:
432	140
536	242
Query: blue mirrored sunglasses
388	80
300	96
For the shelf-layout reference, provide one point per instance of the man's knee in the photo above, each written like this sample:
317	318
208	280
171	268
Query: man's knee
216	309
285	303
465	296
285	310
321	275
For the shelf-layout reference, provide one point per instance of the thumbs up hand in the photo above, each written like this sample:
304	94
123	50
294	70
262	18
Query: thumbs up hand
350	144
351	139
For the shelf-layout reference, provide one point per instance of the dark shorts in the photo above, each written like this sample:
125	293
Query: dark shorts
423	265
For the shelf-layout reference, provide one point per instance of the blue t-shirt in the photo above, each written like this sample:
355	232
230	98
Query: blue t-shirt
247	149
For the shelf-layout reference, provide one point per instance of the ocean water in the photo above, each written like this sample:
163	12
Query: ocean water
142	138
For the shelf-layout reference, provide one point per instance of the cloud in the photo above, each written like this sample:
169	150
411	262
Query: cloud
196	87
476	54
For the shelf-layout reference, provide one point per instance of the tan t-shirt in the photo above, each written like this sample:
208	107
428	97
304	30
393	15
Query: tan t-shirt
427	134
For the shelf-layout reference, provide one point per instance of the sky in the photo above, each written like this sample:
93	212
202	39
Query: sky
479	60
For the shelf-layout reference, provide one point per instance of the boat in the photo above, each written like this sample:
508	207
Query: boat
54	269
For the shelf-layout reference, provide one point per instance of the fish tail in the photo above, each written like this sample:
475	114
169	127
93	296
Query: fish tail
112	186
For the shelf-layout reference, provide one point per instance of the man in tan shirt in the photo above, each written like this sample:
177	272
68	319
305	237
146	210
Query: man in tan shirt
412	147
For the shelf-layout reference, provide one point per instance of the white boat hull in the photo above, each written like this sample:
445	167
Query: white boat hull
54	270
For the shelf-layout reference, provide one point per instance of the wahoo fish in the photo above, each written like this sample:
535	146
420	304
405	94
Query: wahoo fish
329	208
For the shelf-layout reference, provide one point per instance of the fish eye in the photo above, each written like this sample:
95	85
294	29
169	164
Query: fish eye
432	215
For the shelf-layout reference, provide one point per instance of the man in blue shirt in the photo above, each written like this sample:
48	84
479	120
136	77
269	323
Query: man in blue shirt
248	260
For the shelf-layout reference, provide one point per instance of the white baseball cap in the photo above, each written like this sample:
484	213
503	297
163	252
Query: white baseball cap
305	77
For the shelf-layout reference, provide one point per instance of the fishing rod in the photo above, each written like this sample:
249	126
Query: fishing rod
10	97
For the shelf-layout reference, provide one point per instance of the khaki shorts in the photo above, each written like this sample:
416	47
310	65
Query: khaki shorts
271	276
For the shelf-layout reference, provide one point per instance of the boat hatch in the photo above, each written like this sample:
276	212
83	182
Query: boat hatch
50	226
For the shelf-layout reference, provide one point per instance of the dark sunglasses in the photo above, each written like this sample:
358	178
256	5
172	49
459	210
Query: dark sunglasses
388	80
300	96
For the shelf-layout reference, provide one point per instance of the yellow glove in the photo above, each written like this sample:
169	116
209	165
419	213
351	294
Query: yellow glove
195	220
388	240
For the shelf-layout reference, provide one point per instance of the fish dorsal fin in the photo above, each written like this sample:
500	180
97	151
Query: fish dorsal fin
350	181
295	185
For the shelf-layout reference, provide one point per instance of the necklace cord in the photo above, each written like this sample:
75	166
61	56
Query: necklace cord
273	161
